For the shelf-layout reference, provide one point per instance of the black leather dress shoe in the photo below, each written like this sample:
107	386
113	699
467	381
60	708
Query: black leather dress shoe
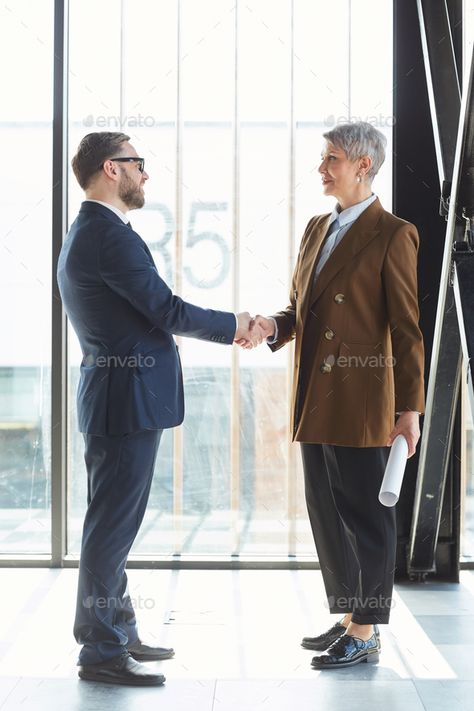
348	651
324	640
144	653
121	670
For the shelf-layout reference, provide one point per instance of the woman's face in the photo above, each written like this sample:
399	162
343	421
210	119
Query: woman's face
339	174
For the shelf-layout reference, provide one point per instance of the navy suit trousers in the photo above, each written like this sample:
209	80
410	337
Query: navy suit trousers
120	472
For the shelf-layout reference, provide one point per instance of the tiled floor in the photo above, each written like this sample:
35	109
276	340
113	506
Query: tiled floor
236	636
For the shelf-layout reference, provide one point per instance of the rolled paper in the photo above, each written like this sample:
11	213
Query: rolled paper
394	471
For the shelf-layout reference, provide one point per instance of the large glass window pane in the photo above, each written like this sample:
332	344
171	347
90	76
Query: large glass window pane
26	36
94	105
204	480
224	228
265	102
133	90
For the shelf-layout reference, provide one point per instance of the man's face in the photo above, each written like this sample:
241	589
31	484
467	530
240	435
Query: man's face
132	182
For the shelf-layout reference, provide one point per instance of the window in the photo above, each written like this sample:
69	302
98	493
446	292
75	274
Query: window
228	102
26	30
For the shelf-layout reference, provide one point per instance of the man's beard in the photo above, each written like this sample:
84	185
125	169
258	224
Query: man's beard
130	193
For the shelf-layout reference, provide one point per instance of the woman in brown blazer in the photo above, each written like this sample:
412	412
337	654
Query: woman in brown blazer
353	313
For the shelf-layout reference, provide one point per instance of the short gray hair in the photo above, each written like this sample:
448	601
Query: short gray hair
359	139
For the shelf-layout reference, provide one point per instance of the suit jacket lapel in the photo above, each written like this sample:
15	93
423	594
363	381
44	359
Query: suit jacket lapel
356	238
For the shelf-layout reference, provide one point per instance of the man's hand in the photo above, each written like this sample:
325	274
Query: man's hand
407	425
260	329
244	321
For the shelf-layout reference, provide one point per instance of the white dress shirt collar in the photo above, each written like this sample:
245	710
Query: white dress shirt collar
118	212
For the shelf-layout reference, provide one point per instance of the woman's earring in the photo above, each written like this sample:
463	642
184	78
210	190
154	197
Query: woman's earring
359	178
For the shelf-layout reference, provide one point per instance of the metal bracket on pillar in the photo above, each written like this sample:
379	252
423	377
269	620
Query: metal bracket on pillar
463	274
443	87
463	251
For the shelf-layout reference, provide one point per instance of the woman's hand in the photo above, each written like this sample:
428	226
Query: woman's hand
260	329
408	425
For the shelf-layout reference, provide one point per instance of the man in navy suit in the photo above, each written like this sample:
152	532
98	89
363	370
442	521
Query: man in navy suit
130	389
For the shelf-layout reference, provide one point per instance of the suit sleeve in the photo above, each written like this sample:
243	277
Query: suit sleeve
126	266
286	319
400	284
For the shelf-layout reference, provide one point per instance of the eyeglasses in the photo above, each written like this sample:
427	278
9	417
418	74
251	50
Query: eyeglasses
132	159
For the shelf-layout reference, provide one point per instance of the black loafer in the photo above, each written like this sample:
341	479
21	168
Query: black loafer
121	670
324	640
144	653
348	651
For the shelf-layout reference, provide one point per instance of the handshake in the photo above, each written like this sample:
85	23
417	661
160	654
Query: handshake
253	331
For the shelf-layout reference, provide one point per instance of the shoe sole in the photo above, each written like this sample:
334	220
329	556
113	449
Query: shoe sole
123	682
371	658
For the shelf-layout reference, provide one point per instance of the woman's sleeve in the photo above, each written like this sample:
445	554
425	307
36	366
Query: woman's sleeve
400	284
286	319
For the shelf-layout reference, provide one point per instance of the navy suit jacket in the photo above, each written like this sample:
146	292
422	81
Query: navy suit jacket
124	315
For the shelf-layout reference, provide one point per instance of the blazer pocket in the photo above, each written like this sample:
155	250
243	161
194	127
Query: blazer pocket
364	357
364	360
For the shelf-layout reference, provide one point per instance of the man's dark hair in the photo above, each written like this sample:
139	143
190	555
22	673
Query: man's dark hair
93	150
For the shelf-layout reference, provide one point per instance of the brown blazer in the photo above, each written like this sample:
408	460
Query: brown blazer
359	351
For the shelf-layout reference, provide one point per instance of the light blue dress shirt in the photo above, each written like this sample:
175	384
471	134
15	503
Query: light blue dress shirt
339	223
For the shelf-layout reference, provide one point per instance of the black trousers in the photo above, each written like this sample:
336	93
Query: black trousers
355	535
120	472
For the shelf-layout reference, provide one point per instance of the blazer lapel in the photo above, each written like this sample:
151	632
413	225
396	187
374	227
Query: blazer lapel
308	263
358	236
